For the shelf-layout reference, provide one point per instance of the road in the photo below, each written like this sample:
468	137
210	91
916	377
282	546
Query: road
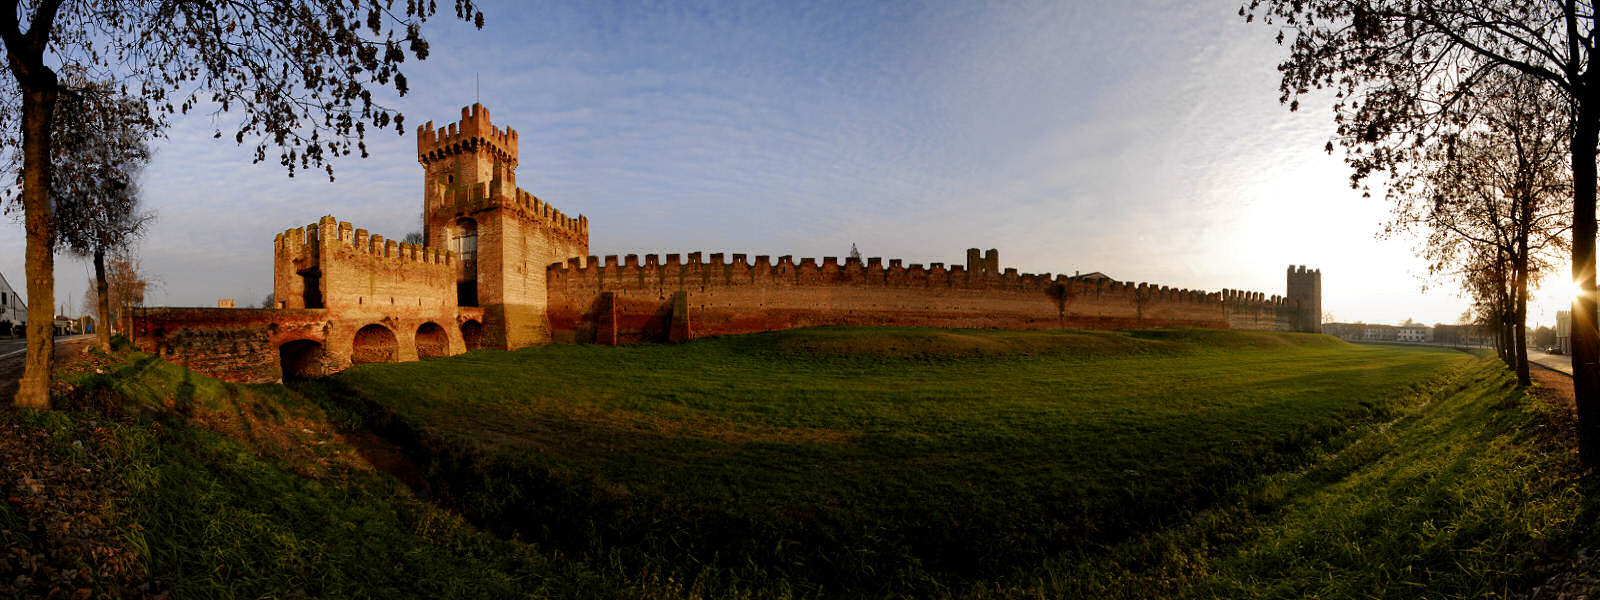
13	356
9	345
1554	362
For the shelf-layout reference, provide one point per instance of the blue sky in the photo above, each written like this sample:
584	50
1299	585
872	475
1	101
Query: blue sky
1142	139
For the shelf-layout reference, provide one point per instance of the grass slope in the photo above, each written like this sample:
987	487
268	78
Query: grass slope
247	491
847	460
840	462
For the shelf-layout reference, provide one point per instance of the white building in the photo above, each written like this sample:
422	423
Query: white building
1411	334
11	306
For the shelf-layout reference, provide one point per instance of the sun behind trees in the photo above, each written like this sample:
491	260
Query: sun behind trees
1492	202
1406	72
302	75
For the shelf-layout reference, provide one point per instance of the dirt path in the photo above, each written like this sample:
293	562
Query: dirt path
11	366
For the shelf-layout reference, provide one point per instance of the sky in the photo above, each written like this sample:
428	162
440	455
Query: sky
1143	139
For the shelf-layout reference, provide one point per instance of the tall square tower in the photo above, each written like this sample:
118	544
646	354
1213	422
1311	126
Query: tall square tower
1305	298
503	237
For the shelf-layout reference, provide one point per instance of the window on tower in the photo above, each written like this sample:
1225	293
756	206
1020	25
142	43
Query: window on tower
464	242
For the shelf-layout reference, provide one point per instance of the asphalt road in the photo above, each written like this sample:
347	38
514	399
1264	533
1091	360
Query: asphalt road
13	356
9	345
1554	362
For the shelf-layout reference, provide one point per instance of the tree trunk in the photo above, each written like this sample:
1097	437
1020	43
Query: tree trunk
1585	338
1520	321
38	110
102	301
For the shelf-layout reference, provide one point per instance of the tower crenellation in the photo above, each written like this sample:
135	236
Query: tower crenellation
502	234
1304	297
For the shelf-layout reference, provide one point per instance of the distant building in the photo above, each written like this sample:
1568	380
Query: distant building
225	303
65	326
1411	333
11	306
1379	333
1349	332
1095	276
1459	335
1564	331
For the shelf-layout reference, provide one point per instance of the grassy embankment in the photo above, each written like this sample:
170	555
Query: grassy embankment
859	462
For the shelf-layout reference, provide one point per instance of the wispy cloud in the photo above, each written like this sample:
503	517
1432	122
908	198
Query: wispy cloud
1141	140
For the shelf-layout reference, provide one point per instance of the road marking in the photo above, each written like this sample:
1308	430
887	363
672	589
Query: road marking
66	338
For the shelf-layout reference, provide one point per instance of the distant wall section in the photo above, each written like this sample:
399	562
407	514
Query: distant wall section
633	301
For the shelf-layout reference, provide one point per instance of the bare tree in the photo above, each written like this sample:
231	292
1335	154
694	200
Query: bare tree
301	74
1404	71
125	290
101	135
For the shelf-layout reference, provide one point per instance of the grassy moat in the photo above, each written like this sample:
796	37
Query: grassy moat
846	462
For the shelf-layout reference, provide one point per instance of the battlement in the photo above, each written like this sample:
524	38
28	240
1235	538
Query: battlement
308	245
739	269
1304	288
496	194
472	133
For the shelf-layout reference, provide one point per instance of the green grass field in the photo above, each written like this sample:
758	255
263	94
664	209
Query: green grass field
842	462
879	461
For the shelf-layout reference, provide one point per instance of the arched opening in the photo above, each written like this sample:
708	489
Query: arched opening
432	342
301	359
464	242
374	343
472	334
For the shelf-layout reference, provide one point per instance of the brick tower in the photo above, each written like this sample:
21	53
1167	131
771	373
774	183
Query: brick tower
503	236
1304	293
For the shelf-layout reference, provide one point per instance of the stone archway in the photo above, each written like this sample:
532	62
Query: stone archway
472	334
374	343
301	359
432	341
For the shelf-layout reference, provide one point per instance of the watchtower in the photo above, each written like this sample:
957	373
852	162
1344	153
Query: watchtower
1304	291
503	237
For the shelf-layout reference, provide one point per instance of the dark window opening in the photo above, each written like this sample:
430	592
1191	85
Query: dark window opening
313	281
472	335
464	242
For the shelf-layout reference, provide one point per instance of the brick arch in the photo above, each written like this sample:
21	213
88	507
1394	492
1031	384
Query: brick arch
302	359
432	341
375	343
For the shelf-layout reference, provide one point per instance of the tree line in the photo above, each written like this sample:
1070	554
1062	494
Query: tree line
91	81
1484	119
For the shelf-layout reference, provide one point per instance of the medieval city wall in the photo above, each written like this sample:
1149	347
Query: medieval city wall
630	301
518	236
364	281
470	173
232	344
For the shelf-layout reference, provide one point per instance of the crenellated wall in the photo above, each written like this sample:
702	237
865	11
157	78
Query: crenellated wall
518	273
232	344
470	189
631	299
362	279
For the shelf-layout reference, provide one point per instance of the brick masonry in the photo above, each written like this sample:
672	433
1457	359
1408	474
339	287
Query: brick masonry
502	268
